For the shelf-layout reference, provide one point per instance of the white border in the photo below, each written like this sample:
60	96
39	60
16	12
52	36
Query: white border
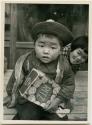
2	8
90	67
1	59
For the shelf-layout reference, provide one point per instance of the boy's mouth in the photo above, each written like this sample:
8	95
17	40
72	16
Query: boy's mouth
76	61
45	58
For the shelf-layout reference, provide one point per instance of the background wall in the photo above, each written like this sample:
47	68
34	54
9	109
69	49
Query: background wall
20	18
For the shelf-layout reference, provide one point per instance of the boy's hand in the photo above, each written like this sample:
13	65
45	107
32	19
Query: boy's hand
61	111
54	105
6	100
9	102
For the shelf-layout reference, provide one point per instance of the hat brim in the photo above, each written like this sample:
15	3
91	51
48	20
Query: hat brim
54	28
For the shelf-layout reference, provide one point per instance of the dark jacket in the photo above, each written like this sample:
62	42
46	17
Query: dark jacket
28	61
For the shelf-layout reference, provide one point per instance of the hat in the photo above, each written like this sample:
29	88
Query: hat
54	28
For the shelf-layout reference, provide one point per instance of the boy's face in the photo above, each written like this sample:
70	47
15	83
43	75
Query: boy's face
78	56
47	48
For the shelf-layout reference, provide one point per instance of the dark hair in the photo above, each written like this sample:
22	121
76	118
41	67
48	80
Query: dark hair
80	42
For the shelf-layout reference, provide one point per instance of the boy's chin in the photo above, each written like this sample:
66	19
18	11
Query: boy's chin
46	61
74	62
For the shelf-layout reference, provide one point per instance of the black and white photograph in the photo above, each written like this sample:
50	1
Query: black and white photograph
46	61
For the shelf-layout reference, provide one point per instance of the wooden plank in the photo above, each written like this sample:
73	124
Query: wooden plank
81	84
8	117
21	45
81	81
79	101
81	94
77	117
79	109
9	111
80	74
81	89
81	78
13	35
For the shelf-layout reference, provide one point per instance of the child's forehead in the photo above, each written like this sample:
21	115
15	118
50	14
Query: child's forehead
48	38
82	51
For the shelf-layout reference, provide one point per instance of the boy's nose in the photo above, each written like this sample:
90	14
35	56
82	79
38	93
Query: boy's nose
46	50
79	58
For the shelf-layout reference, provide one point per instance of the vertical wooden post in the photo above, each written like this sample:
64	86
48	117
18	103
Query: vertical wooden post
13	35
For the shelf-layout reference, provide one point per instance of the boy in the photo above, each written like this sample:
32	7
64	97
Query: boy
77	52
53	94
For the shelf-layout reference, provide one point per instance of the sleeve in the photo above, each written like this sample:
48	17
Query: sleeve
10	84
75	68
67	85
20	71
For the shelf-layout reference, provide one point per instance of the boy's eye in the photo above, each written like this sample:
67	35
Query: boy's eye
79	52
53	47
41	45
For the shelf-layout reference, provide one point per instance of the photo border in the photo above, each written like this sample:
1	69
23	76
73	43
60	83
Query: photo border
2	8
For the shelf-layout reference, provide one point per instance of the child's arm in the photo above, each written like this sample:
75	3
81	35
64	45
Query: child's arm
67	85
9	87
67	88
10	84
12	89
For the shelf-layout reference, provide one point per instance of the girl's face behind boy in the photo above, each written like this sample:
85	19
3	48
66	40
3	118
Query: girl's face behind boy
47	48
78	56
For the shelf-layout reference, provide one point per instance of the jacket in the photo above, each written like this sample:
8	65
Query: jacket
28	61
